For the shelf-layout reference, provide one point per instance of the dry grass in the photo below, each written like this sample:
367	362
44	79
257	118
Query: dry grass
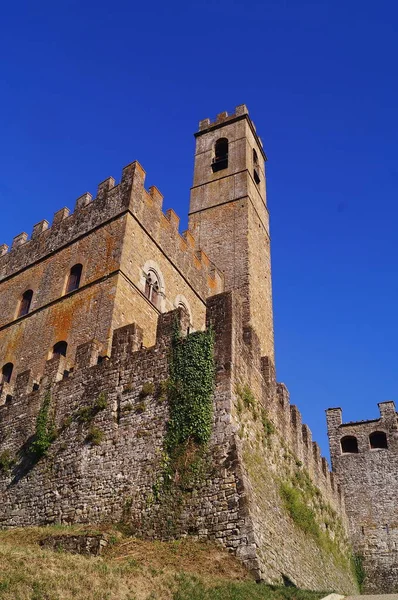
129	569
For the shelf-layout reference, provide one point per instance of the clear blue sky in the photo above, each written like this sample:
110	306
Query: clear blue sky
87	87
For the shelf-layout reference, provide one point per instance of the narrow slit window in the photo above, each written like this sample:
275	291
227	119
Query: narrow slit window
60	349
220	160
256	167
6	373
74	278
26	301
349	444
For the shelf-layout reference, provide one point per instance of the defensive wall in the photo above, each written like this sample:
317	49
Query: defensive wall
116	237
365	459
109	422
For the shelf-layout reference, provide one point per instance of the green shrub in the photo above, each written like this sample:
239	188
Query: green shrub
301	514
147	389
95	436
101	402
6	461
85	414
246	395
140	408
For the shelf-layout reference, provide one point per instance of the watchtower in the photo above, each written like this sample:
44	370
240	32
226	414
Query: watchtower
229	217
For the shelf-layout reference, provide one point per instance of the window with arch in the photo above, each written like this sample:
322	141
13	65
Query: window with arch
75	275
349	444
60	349
256	167
378	439
6	373
152	287
26	301
220	160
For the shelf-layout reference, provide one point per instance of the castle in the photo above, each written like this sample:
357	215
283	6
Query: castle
138	382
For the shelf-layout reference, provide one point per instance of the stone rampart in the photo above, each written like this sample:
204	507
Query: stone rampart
104	463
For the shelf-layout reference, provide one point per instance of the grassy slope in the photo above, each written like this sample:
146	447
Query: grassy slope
129	569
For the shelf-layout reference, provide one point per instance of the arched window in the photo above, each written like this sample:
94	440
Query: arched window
378	439
74	278
26	301
60	349
349	444
256	167
220	160
152	287
6	373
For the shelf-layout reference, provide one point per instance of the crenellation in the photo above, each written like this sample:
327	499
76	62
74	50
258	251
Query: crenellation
126	340
39	228
156	196
60	216
3	249
83	201
105	187
173	218
87	354
54	370
23	383
19	240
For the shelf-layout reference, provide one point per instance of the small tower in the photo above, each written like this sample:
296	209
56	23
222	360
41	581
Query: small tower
228	214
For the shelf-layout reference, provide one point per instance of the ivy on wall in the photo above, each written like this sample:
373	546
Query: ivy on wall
45	432
190	396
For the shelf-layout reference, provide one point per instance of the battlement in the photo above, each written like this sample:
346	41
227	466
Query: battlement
112	201
241	112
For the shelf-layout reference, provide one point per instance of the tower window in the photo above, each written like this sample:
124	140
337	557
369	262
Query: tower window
74	278
6	373
152	288
220	160
60	349
26	301
349	444
256	167
378	439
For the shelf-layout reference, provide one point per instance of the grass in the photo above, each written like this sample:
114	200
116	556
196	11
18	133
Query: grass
129	569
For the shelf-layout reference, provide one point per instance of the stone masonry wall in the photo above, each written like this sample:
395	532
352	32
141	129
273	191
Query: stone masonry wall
113	480
113	237
370	487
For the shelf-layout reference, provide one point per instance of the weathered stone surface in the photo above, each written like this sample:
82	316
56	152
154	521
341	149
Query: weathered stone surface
76	544
369	481
106	459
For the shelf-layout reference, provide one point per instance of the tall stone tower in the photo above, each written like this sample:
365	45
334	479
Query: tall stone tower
228	214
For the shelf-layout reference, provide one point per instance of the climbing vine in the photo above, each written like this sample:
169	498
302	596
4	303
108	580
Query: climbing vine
190	396
45	432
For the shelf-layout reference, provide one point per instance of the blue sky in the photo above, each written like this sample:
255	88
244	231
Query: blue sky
87	87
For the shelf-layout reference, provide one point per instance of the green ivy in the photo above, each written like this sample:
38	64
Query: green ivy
191	389
190	396
45	432
358	569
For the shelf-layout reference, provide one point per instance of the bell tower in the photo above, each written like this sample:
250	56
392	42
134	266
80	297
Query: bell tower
228	214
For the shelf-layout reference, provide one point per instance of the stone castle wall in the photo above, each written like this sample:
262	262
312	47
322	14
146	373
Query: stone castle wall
239	503
114	237
368	478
